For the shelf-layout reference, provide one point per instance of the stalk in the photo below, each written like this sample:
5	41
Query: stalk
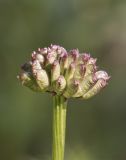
59	127
72	75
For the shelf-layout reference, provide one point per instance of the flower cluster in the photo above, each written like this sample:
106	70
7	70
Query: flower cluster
57	71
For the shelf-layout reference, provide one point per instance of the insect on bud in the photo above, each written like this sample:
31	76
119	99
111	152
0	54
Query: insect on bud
27	67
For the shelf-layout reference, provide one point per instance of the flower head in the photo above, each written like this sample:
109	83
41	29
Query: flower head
57	71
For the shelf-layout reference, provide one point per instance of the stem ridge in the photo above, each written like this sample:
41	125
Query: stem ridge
59	127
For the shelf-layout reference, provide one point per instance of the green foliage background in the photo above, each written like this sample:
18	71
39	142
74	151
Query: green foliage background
96	129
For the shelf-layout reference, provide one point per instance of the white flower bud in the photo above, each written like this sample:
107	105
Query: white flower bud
70	71
42	79
64	63
79	71
87	82
37	56
102	75
60	85
55	71
28	81
90	66
71	89
95	89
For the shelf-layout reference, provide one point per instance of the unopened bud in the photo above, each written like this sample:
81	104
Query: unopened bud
37	56
85	57
51	57
95	89
64	63
28	81
80	71
42	79
73	56
60	85
90	66
70	71
55	71
36	66
85	85
72	87
43	51
102	75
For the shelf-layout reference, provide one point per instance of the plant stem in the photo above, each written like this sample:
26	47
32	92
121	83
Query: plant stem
59	127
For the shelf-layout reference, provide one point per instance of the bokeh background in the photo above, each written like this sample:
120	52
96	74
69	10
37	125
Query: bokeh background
96	129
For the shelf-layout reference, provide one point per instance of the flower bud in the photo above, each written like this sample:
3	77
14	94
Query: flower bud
42	79
60	85
90	66
85	85
37	56
83	58
73	56
102	75
71	89
64	63
25	78
79	71
78	92
28	81
87	82
59	50
95	89
70	72
55	71
36	65
51	57
43	51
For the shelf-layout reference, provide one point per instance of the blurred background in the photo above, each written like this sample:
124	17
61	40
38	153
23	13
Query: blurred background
96	129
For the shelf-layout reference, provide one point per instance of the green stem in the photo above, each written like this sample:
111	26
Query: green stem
59	126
